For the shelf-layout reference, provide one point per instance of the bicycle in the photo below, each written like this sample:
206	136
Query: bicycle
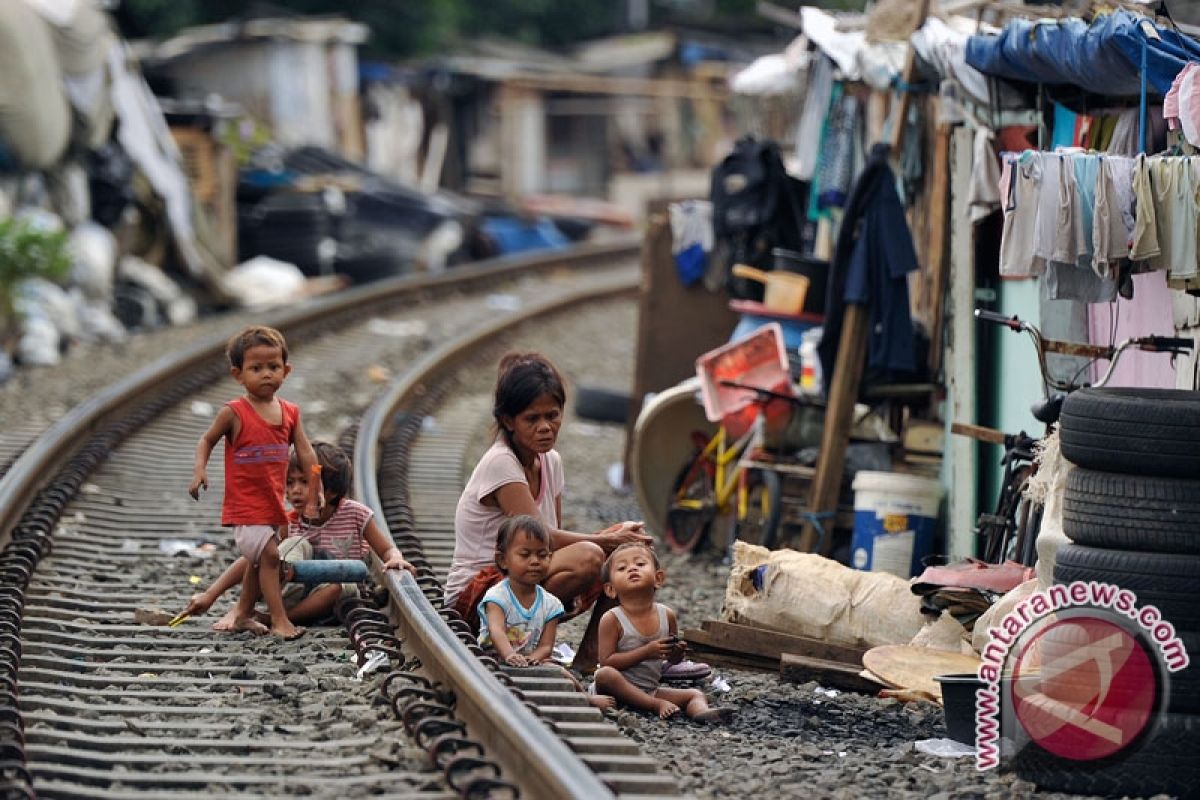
1010	532
724	465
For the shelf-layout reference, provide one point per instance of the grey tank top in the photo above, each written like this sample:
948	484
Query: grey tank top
647	674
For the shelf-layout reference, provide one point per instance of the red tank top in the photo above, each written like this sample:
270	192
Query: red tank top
256	466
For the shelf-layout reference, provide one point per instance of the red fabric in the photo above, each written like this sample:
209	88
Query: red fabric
972	573
468	601
256	466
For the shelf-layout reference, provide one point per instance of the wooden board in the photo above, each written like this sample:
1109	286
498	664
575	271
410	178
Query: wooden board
831	674
773	644
906	667
700	651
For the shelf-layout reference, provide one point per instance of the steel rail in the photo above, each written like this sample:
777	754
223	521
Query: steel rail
42	459
533	756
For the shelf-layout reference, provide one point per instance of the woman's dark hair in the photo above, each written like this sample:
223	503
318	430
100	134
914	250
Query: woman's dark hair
522	378
336	470
532	526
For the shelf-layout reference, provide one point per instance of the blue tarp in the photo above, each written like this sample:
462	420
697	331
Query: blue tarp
1104	57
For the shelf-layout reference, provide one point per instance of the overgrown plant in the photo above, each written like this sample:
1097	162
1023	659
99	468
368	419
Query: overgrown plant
28	252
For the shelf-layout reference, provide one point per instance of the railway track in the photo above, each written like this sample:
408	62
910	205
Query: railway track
94	705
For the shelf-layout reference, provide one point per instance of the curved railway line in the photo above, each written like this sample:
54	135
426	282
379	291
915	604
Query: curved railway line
397	703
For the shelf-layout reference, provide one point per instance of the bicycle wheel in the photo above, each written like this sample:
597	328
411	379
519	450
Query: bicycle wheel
764	510
693	505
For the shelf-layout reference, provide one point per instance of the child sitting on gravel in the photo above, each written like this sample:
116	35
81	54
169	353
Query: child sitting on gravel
343	529
638	635
519	619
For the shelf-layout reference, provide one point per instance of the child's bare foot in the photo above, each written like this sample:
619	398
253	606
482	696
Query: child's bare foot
601	701
665	709
715	714
225	623
248	624
287	631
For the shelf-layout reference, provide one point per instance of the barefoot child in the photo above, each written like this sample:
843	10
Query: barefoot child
259	429
519	617
343	529
638	635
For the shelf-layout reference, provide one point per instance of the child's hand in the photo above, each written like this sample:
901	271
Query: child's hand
396	561
199	603
660	649
516	660
199	481
678	650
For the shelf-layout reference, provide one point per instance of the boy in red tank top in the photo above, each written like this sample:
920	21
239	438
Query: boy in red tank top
259	430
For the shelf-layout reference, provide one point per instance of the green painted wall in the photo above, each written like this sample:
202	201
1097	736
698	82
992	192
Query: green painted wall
1009	365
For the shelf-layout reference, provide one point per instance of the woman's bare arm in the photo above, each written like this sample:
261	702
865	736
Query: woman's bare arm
515	498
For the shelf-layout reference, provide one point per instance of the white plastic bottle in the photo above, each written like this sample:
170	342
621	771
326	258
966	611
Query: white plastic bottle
810	365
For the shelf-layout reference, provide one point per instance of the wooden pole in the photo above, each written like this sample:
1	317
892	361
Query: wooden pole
906	76
939	202
843	393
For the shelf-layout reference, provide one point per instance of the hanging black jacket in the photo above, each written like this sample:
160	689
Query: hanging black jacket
871	262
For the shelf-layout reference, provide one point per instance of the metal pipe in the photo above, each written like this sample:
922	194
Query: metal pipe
318	571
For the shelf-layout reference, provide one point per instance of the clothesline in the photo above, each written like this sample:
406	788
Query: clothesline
1086	221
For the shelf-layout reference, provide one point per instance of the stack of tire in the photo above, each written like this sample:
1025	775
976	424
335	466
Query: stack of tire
1132	512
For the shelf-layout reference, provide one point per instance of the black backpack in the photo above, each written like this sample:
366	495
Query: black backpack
757	206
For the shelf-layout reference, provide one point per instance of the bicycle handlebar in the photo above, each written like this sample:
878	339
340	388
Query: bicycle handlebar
1165	343
1014	322
1154	344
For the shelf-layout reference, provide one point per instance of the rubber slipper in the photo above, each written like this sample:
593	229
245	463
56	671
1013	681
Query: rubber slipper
685	671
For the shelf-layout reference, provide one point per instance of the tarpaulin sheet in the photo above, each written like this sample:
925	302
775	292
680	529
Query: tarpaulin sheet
1104	57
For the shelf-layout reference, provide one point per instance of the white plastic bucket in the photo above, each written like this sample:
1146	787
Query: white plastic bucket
895	518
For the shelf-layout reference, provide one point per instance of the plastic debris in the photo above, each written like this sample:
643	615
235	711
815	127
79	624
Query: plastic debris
89	488
377	373
503	302
943	748
200	408
616	476
821	690
563	653
174	546
375	662
129	545
399	328
719	684
194	580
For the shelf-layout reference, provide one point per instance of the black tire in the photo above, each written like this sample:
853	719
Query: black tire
1165	763
1183	687
1131	512
759	528
1138	431
602	405
1167	580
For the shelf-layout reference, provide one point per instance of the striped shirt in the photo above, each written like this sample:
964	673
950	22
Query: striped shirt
341	536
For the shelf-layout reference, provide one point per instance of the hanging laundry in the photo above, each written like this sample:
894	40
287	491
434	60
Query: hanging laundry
812	117
837	168
1020	189
983	194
